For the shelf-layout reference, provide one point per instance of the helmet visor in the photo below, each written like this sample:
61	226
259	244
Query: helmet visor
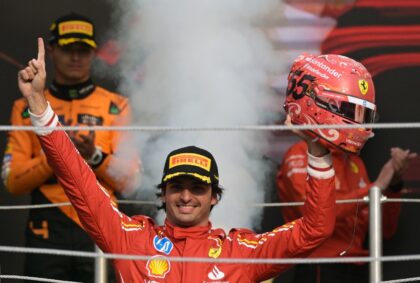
353	108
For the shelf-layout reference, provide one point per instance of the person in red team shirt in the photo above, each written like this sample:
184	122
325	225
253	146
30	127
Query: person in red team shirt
189	190
334	89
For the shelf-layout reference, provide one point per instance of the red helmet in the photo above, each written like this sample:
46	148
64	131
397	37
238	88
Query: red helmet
332	90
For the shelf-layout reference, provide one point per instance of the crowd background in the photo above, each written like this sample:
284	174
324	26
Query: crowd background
22	21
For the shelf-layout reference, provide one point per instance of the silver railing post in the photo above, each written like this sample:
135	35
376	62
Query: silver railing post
101	270
375	233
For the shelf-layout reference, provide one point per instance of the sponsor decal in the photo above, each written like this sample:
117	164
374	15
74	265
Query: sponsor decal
89	119
73	93
25	113
62	120
163	245
337	183
325	68
158	266
113	109
363	86
362	183
354	167
75	27
191	159
216	274
5	169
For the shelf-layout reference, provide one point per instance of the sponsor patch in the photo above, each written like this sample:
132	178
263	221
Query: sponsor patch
113	109
89	119
363	86
354	167
5	169
163	245
25	113
216	274
75	27
191	159
158	266
362	183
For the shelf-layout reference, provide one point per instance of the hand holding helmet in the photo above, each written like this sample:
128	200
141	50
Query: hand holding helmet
314	147
332	90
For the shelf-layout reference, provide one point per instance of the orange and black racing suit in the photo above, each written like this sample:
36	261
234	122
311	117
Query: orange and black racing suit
25	170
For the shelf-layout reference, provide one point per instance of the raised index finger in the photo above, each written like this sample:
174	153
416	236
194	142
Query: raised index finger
41	49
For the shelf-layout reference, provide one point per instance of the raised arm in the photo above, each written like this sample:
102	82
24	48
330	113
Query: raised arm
108	227
301	236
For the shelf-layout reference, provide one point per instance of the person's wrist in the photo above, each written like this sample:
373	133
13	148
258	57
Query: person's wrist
37	103
316	149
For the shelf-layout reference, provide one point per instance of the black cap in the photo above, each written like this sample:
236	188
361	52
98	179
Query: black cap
192	161
72	28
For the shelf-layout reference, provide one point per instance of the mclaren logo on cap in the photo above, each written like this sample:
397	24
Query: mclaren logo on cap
190	159
363	86
75	27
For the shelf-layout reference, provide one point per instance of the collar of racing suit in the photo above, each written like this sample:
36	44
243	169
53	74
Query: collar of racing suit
192	232
70	92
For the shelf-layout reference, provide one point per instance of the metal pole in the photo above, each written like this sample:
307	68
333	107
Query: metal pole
375	233
101	269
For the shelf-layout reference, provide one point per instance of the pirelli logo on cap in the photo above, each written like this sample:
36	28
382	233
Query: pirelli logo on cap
75	27
190	159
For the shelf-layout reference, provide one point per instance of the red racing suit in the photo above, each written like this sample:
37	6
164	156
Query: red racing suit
115	232
352	182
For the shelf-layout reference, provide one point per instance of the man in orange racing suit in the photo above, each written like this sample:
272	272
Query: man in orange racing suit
351	178
77	101
189	190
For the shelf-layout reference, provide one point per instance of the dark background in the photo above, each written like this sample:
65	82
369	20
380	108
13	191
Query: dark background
21	22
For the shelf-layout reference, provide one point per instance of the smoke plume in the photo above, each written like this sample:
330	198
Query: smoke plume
202	63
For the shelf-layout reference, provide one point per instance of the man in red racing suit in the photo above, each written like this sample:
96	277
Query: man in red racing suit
182	235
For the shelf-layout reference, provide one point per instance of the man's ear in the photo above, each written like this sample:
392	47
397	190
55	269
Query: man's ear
214	200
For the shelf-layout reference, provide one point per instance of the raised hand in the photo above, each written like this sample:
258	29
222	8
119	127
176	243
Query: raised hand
393	169
400	159
314	147
31	81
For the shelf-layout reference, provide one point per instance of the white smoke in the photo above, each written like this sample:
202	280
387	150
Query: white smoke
202	63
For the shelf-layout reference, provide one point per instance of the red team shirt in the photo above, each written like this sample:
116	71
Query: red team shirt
351	182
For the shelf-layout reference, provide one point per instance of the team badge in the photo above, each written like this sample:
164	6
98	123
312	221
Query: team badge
363	86
158	266
163	245
215	251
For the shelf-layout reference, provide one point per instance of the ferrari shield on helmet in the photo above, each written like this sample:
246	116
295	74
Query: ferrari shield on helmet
332	90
